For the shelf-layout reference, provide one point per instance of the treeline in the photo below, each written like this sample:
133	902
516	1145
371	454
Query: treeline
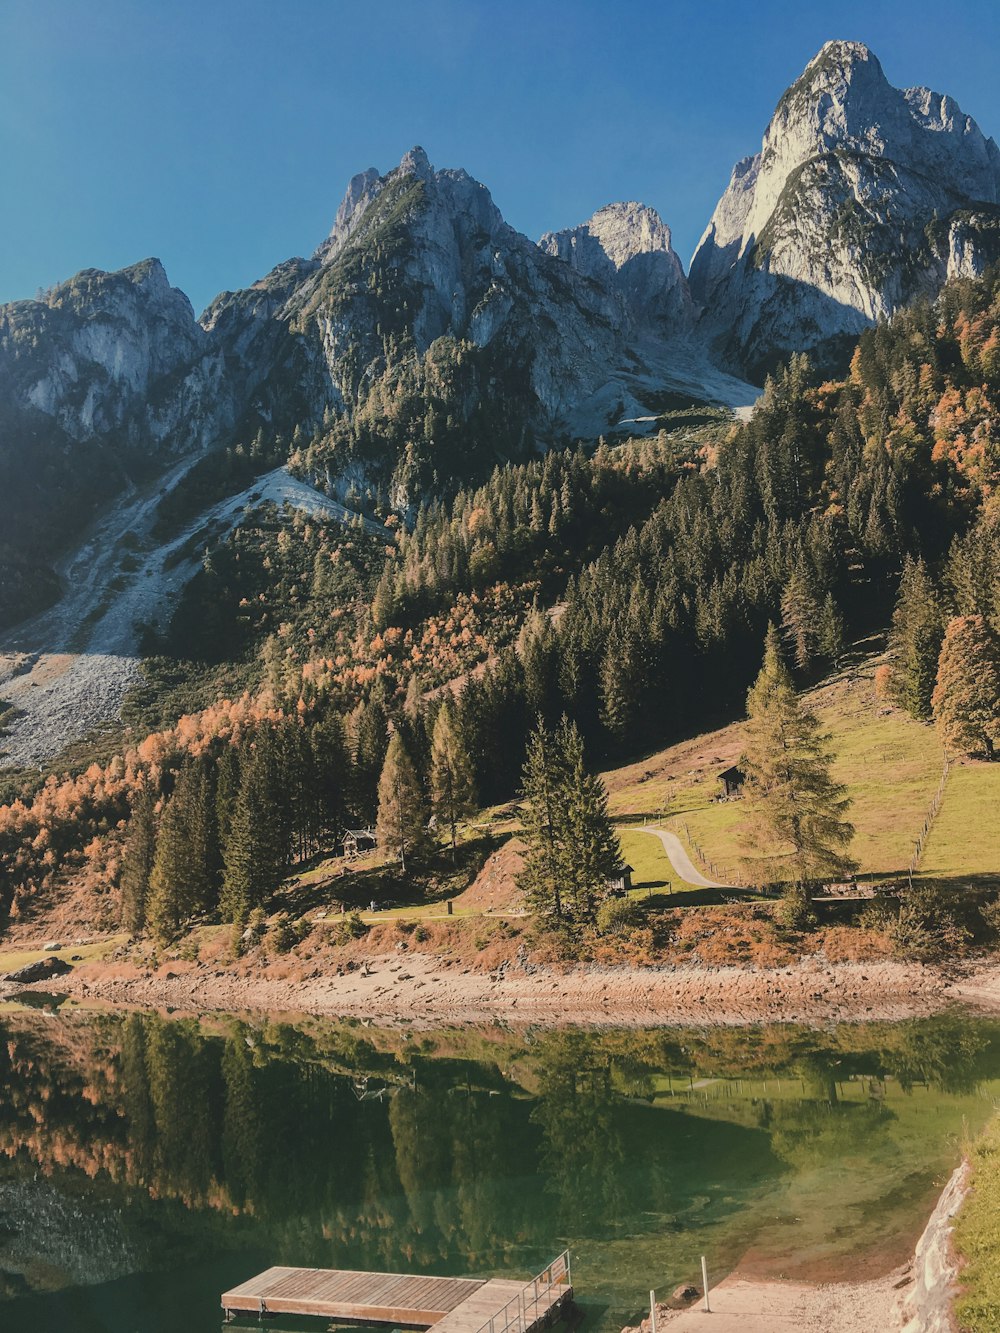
944	645
629	590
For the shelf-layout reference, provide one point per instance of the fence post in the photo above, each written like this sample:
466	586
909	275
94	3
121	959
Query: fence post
652	1311
704	1280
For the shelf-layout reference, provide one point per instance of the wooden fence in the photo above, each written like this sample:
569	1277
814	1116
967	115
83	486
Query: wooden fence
932	811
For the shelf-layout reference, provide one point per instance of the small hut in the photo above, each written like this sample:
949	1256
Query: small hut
619	881
358	842
732	780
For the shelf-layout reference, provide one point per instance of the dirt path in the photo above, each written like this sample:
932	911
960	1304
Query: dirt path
679	859
741	1305
69	669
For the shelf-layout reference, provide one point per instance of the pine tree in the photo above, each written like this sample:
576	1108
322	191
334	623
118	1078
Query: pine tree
183	879
572	849
402	815
966	699
370	736
256	849
332	769
592	852
915	641
795	808
801	616
540	879
622	675
137	861
452	789
830	639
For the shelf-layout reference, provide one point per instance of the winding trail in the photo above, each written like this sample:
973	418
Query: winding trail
680	860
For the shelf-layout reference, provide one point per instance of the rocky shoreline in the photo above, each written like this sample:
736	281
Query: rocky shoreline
426	990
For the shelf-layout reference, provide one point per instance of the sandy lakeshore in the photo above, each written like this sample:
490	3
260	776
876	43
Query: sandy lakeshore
425	989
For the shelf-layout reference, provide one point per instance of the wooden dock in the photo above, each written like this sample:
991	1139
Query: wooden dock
447	1304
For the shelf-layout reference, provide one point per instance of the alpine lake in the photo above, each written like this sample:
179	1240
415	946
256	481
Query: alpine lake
150	1161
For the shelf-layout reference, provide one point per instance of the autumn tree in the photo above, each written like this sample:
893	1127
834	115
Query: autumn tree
452	786
966	698
795	808
915	641
402	814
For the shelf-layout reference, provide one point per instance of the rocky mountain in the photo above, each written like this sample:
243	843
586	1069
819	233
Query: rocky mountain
101	380
426	339
627	248
862	198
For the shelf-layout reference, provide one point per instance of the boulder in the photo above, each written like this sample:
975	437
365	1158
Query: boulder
41	970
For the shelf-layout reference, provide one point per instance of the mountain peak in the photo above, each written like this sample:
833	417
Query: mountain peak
843	54
627	247
825	230
415	163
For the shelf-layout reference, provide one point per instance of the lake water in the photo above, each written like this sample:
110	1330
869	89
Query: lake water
147	1162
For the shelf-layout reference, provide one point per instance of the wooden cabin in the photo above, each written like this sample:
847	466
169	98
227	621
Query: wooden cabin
732	780
359	842
619	881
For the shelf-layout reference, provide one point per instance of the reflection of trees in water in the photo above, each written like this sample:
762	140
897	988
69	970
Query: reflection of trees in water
448	1169
809	1133
582	1148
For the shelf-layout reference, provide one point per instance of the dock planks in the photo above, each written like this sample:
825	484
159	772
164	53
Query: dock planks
447	1304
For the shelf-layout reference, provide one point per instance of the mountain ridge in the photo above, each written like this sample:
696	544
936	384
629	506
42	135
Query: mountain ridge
426	339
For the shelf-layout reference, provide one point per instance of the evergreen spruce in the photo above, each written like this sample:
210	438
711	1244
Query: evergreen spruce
137	861
795	807
801	616
452	790
572	848
540	879
966	699
915	641
183	880
830	639
402	814
256	849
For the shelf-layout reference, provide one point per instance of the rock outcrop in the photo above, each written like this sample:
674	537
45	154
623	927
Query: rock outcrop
627	248
862	198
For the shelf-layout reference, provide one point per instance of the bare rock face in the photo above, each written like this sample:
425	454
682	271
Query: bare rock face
862	198
458	271
627	248
103	380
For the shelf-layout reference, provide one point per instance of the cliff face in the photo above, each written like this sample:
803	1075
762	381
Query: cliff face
862	198
102	382
627	248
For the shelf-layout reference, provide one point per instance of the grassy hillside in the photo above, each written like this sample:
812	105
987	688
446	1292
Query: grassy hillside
890	764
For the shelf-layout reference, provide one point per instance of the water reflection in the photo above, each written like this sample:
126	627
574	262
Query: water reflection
148	1162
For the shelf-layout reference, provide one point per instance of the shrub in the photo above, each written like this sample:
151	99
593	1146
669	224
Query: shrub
617	916
349	928
283	936
924	922
990	913
421	934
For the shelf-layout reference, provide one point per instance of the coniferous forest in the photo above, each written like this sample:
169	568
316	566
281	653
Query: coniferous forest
627	588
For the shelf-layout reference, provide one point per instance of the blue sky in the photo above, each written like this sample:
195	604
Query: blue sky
219	134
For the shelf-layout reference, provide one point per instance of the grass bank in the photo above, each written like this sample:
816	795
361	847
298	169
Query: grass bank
977	1238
